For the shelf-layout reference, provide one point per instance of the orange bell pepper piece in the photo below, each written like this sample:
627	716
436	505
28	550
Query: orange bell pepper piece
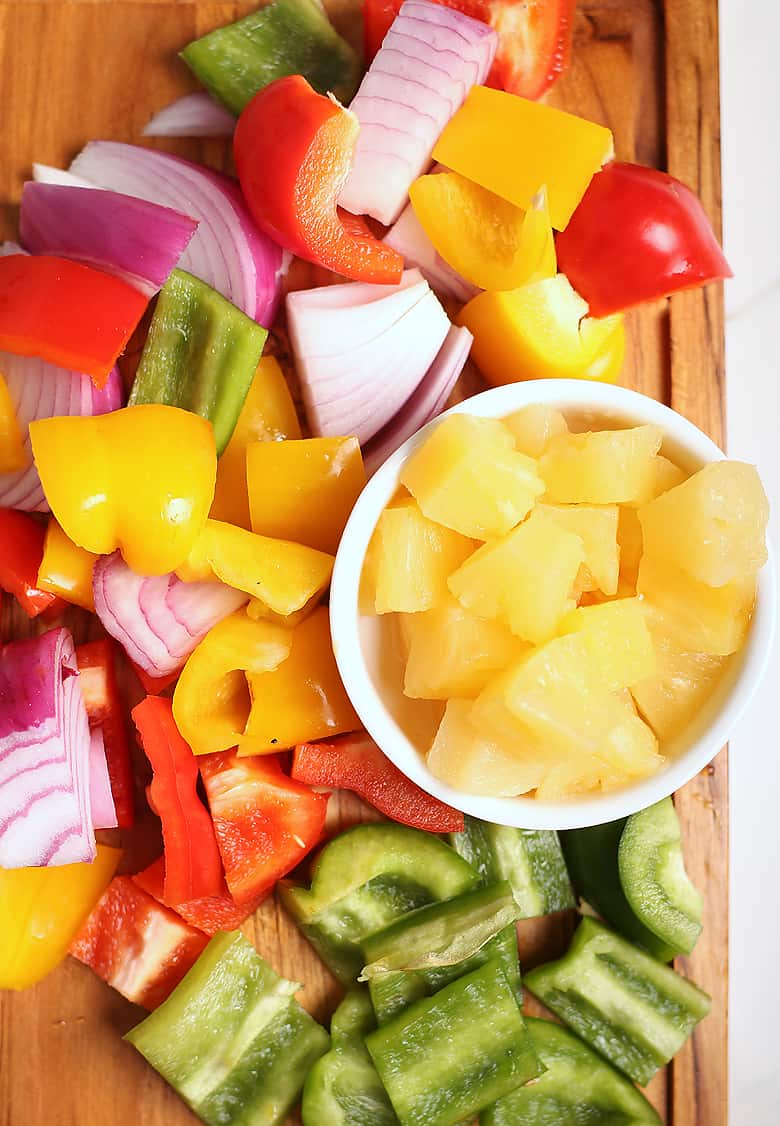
66	569
12	455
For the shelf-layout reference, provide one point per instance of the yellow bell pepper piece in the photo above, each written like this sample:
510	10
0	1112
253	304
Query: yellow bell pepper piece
211	700
304	490
12	454
511	145
303	698
489	241
66	569
42	911
283	576
542	331
268	415
139	479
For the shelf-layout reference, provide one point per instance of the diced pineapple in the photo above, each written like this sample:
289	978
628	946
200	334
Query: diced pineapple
477	762
410	559
453	653
712	526
630	752
629	538
534	426
524	579
667	475
468	476
618	640
596	525
602	467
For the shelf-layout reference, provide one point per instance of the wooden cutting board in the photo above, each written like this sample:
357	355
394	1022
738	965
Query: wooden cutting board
75	71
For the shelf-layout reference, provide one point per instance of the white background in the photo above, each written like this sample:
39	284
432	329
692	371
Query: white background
750	101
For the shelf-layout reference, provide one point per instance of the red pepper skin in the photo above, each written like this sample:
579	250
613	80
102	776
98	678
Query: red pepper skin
210	914
193	869
355	762
21	552
638	234
66	313
137	945
265	822
293	149
153	685
97	668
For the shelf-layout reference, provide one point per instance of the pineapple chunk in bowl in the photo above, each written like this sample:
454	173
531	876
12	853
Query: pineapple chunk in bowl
485	638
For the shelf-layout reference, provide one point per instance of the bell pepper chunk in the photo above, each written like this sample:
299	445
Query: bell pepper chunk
66	313
96	662
293	149
512	146
119	480
21	551
42	909
210	914
66	569
12	453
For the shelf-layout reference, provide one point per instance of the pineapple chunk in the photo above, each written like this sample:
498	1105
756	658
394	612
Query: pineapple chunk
525	579
712	526
596	525
630	542
633	740
667	475
468	476
618	640
410	559
453	653
478	763
534	426
602	467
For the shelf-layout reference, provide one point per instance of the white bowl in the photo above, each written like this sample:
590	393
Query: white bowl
372	679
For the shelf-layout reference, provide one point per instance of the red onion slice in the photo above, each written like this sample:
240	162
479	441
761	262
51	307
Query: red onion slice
137	241
8	248
194	115
100	797
408	237
46	174
45	811
418	80
158	619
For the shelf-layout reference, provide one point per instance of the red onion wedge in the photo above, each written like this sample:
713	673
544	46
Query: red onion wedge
429	399
137	241
158	619
194	115
45	811
100	797
41	390
428	62
46	174
410	240
227	251
9	248
359	362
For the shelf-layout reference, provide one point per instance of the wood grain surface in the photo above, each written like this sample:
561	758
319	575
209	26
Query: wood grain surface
75	71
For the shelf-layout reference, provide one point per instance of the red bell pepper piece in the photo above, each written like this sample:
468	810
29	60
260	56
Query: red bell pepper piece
97	666
153	685
293	150
636	235
193	869
66	313
21	552
137	945
355	762
210	914
265	822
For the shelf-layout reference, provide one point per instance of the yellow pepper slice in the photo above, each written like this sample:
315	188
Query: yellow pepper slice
510	146
66	569
12	455
139	479
542	331
303	698
42	910
268	415
211	701
489	241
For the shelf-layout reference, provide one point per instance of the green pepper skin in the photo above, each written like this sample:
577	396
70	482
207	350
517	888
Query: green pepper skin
531	859
201	354
633	1010
577	1089
286	37
231	1039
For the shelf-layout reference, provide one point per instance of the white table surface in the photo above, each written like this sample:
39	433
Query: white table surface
750	96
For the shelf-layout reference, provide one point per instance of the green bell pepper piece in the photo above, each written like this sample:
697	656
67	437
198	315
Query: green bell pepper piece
231	1039
449	1056
653	876
531	859
286	37
201	354
343	1088
365	878
632	1009
577	1089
